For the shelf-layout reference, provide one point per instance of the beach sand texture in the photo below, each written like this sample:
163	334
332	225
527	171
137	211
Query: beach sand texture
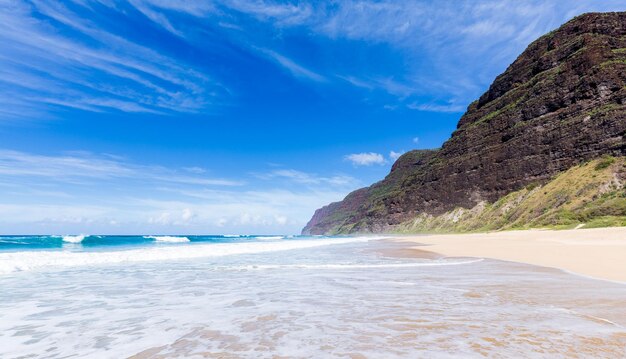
599	253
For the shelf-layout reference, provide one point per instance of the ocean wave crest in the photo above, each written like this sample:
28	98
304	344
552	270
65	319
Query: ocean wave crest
269	238
169	239
22	261
74	239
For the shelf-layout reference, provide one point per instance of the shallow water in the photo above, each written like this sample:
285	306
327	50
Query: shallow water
343	299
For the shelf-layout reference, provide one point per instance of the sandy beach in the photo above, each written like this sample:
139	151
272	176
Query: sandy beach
599	253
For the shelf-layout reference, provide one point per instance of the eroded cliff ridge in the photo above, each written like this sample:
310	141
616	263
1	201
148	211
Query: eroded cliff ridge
561	103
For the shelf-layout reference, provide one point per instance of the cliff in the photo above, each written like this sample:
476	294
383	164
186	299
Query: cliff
589	195
561	103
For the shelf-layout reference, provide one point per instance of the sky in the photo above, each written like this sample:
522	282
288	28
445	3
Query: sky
233	117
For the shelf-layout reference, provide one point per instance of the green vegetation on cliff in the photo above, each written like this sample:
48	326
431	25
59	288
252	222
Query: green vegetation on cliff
592	194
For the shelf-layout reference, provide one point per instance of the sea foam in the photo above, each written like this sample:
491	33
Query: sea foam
23	261
269	238
74	239
169	239
343	266
342	296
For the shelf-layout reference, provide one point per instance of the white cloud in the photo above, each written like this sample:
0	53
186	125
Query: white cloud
261	208
280	220
173	218
162	219
366	159
221	222
416	140
393	155
187	215
191	211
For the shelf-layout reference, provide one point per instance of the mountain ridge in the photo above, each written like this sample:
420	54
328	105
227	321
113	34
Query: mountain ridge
559	104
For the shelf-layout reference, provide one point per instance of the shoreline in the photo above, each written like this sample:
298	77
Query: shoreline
598	253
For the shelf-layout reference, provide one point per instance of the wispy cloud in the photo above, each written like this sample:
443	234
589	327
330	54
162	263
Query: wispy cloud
61	58
62	214
281	14
294	68
89	193
156	16
450	49
308	178
195	169
433	107
445	52
78	167
366	159
207	211
55	57
184	217
195	8
387	84
268	210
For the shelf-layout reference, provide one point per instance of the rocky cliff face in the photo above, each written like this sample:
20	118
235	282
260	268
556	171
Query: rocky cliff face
562	102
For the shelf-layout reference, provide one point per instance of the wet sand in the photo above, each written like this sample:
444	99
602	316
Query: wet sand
599	253
482	308
359	299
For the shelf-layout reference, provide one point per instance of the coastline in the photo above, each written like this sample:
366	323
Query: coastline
350	297
599	253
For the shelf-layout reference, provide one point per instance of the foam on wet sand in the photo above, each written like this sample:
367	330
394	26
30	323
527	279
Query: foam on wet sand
353	298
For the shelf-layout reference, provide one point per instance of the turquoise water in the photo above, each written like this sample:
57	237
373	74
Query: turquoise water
98	242
25	253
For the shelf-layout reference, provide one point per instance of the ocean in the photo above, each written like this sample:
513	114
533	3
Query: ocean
292	297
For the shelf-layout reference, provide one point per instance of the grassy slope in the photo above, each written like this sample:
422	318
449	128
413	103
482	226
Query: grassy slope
592	194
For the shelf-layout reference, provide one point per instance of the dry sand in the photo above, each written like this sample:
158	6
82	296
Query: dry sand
598	253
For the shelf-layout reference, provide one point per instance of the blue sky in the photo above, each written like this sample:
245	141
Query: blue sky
158	116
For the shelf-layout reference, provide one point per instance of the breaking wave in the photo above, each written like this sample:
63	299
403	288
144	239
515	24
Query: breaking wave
269	238
169	239
21	261
74	239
